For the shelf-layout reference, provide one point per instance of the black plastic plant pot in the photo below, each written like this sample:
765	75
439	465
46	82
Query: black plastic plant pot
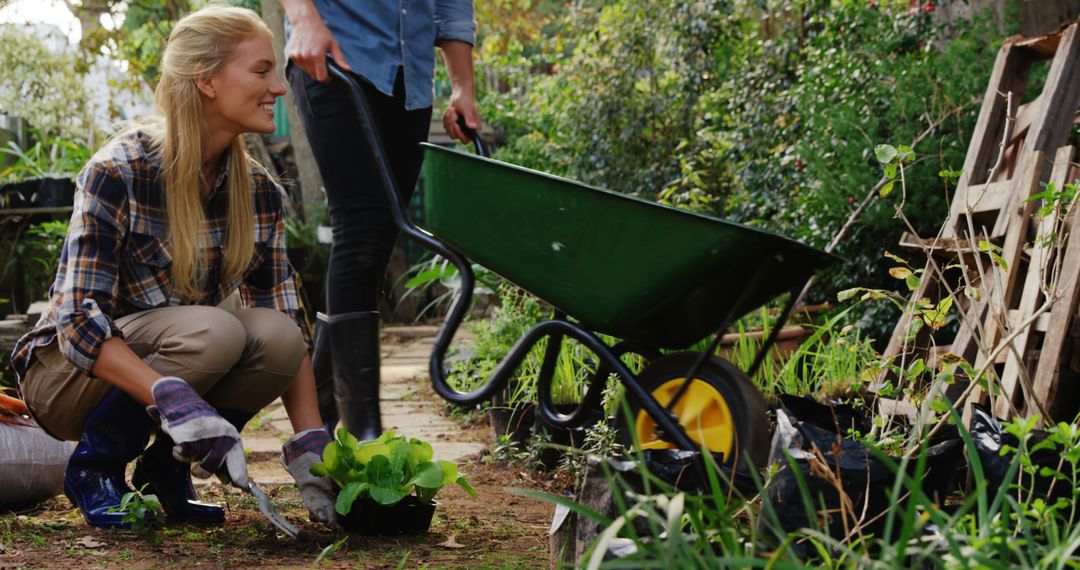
516	422
408	516
54	192
19	194
548	457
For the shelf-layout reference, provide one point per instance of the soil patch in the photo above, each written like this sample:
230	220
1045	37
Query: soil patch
495	530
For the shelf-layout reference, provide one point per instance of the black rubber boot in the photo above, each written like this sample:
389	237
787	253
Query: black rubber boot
323	366
116	433
170	480
354	347
238	418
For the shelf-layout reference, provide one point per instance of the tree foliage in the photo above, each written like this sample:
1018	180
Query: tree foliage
762	112
41	85
139	41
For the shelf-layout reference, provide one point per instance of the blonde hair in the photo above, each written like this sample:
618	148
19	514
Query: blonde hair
199	45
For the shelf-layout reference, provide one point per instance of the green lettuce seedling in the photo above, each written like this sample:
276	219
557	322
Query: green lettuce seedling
386	469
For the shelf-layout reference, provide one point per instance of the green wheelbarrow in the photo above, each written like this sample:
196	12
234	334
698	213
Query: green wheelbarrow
656	278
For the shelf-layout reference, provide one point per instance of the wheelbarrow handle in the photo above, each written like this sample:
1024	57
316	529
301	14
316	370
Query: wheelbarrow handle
458	309
478	143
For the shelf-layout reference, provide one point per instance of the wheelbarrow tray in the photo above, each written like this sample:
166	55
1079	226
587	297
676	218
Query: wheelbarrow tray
622	266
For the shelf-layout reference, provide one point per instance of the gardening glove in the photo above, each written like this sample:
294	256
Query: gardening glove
299	453
201	435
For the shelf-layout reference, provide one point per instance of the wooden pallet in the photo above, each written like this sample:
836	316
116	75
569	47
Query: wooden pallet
1007	162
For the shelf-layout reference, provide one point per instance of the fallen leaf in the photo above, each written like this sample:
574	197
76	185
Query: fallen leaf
88	541
451	543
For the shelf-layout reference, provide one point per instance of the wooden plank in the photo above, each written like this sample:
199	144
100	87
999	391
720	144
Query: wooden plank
988	197
1009	74
1029	184
1024	117
996	302
1042	324
1043	45
1031	294
1061	94
1052	123
1045	383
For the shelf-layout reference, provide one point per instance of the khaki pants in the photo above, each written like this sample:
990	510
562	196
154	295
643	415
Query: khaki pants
237	360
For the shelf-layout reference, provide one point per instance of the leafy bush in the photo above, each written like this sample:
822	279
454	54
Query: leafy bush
765	115
35	256
42	86
47	157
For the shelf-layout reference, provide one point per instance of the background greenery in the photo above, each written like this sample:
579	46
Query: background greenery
760	112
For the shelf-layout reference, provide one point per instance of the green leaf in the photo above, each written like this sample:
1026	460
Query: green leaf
430	476
913	281
348	496
906	153
895	257
886	189
900	272
450	471
914	327
387	495
890	171
847	294
885	153
916	369
420	452
434	274
319	470
465	485
330	456
346	439
399	455
369	451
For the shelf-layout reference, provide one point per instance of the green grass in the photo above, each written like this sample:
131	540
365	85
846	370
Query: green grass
1012	529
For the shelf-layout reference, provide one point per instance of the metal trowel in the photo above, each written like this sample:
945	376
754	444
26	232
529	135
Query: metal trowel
271	513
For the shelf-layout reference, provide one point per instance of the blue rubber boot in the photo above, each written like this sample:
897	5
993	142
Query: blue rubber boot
116	433
170	480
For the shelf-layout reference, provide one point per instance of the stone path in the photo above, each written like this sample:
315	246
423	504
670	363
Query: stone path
408	406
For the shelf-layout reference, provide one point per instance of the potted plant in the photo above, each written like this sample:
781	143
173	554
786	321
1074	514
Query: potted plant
42	175
387	485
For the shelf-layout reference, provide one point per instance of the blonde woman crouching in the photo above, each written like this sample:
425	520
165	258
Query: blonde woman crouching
170	217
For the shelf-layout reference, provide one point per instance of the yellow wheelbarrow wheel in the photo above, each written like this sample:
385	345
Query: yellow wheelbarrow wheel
721	409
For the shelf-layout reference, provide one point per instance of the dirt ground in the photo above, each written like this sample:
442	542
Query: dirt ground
495	530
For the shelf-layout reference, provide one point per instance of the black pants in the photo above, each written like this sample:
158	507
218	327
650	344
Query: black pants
364	231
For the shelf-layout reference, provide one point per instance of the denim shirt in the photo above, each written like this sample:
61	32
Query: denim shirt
380	36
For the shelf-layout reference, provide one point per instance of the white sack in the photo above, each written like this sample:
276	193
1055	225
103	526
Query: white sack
31	465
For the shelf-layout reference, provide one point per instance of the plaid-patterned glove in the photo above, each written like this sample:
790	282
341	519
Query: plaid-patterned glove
299	453
201	435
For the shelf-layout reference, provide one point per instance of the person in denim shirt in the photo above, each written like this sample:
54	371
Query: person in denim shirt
390	45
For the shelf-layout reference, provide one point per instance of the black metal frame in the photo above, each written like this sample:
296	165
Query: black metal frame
555	329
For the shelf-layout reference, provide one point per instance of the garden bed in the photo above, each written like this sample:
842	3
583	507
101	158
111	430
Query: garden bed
498	530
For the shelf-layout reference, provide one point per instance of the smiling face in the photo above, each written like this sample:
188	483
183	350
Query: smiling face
239	97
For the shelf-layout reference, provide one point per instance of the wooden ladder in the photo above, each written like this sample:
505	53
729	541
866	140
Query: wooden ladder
1007	163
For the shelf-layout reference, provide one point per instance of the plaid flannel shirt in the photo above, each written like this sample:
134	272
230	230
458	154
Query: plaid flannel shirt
117	255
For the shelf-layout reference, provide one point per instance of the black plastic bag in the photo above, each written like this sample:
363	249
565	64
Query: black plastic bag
988	438
840	464
683	470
